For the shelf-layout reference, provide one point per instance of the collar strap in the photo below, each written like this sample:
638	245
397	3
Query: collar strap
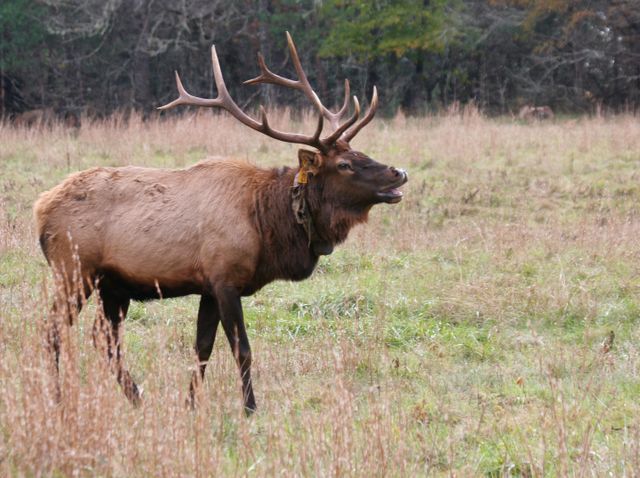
300	207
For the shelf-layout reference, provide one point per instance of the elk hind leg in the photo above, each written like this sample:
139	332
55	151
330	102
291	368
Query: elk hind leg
115	309
65	309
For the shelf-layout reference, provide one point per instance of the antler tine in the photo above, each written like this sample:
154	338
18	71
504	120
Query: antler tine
334	118
345	104
338	133
316	135
371	111
225	100
305	86
185	98
267	76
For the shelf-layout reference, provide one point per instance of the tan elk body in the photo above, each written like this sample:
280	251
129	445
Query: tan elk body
221	228
153	225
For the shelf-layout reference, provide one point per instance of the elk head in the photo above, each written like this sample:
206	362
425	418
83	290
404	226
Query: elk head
347	178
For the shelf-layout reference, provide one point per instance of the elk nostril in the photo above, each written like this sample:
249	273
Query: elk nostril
398	172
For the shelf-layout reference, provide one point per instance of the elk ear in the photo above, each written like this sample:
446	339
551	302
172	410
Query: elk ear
310	161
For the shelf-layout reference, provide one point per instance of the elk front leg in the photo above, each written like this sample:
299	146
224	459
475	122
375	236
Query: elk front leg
232	318
208	319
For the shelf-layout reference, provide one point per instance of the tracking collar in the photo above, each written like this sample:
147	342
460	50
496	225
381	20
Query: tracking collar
300	206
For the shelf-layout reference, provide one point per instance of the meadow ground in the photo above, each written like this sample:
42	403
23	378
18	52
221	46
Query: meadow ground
462	332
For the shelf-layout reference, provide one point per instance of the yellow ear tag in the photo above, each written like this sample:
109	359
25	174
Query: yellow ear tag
303	175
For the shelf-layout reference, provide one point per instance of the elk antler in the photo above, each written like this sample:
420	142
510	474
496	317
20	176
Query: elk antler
352	131
225	101
345	131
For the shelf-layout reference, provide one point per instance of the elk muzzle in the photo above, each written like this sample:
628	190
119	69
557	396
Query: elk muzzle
391	194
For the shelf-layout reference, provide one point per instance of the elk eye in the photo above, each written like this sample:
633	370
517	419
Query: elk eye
344	166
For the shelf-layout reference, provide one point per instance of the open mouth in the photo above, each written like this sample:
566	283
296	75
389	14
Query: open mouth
392	194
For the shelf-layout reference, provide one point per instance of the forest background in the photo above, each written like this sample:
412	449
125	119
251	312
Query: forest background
99	56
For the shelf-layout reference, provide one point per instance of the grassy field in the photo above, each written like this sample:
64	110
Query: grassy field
461	332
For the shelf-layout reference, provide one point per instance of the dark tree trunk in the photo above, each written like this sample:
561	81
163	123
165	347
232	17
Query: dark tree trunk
141	81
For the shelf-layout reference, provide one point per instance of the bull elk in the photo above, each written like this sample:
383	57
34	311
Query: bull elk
222	229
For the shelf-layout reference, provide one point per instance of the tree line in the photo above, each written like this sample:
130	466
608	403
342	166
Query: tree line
101	56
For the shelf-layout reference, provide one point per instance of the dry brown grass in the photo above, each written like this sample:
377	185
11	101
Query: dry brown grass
459	333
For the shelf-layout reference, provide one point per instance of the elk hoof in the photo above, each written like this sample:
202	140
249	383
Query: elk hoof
134	394
191	402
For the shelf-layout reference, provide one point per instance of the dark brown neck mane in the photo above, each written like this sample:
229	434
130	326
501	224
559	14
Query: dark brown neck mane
286	252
